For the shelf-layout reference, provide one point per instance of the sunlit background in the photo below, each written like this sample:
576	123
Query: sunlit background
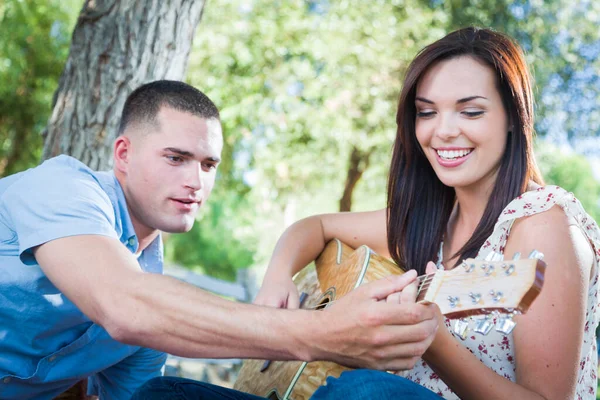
307	92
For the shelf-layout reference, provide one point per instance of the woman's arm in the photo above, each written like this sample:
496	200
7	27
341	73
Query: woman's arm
548	338
303	241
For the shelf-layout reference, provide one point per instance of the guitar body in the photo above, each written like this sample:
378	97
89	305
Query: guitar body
296	380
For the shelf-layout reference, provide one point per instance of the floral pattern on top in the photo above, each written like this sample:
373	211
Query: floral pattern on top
496	350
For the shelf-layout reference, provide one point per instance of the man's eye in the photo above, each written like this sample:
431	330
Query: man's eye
175	159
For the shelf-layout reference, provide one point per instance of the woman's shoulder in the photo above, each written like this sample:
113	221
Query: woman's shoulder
546	213
540	199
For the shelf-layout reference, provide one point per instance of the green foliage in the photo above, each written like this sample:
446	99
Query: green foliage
33	48
299	85
572	172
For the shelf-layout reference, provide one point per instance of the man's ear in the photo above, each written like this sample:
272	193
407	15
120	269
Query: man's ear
121	154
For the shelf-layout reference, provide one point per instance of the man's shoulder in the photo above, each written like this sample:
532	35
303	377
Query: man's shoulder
50	176
50	187
63	165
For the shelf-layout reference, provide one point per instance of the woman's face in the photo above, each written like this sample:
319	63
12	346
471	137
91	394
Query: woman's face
461	122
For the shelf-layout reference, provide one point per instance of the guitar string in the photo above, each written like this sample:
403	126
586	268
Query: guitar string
423	286
424	282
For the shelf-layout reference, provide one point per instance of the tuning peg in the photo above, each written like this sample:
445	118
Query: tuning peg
468	267
536	254
494	256
453	300
487	269
461	327
505	324
496	296
516	256
509	268
484	325
475	297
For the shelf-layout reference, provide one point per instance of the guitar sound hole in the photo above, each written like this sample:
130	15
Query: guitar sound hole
273	396
323	303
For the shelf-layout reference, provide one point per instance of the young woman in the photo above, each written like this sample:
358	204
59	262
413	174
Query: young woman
463	182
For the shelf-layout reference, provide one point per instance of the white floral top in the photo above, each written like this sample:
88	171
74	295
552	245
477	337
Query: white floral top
496	349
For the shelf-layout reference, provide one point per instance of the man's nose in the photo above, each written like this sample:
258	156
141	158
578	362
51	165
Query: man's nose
195	177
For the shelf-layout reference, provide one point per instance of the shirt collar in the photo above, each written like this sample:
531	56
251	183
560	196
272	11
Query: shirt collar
151	259
113	189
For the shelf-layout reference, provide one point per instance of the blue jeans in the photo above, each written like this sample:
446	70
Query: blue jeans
359	384
366	384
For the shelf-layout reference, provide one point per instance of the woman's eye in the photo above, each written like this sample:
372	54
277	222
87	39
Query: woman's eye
473	113
425	114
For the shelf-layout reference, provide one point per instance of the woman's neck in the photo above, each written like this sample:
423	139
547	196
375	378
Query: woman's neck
467	213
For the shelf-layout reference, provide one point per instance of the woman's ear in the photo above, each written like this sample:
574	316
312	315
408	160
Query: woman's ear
121	154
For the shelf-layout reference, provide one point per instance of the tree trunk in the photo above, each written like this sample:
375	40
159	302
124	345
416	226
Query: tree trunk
117	46
358	163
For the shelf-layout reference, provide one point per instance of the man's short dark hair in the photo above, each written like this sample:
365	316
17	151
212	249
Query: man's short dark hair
144	103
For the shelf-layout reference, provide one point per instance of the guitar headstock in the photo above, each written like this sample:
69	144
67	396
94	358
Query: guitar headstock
485	286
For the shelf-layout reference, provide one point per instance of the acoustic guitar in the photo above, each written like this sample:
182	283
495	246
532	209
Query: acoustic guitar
489	288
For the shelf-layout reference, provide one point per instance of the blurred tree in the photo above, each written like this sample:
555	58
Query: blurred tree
33	50
117	45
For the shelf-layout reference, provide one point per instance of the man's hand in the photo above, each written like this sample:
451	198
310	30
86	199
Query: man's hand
362	329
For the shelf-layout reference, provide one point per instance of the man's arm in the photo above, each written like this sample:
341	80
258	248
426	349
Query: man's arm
104	280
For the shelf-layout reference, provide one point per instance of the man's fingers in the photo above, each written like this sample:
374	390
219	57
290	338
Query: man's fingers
393	335
409	294
400	314
382	288
394	298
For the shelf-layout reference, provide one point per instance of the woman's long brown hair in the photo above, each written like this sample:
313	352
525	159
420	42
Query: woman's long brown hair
419	204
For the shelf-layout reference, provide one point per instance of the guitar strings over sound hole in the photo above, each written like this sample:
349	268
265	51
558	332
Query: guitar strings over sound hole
273	396
323	303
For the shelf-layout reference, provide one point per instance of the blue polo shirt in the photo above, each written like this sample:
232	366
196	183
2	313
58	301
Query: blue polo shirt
46	343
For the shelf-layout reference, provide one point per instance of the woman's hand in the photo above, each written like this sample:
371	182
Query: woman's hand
442	334
279	292
409	293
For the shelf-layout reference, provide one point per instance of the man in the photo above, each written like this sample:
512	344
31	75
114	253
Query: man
81	294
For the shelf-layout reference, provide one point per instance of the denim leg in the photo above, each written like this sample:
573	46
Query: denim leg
364	384
173	388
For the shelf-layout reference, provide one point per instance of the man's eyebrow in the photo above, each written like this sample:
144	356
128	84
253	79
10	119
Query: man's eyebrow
189	154
180	152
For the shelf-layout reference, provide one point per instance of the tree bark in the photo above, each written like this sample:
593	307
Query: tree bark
358	163
117	45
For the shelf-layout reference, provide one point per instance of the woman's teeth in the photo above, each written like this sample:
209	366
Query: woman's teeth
453	154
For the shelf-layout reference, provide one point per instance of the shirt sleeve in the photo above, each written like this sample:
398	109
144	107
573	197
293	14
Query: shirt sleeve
58	199
123	378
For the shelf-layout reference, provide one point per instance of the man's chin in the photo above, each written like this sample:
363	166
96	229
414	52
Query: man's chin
180	228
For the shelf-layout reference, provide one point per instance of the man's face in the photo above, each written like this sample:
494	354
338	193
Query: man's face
170	170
